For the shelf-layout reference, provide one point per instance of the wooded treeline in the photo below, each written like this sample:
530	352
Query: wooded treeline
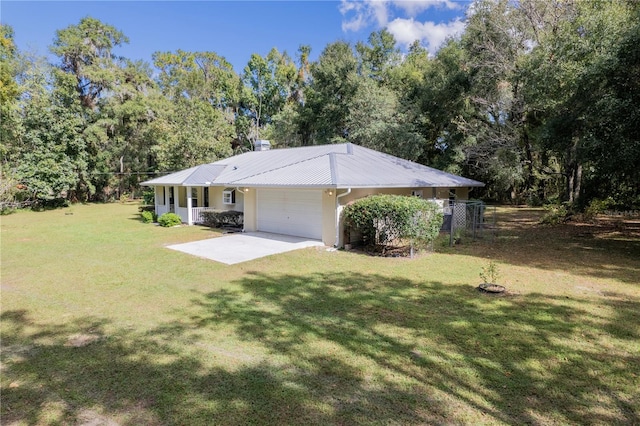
539	99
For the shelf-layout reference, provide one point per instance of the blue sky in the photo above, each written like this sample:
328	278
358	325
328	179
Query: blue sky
236	29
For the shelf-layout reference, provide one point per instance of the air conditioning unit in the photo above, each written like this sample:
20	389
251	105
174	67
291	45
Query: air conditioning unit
229	196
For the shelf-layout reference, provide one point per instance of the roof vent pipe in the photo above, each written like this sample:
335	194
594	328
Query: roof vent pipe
262	145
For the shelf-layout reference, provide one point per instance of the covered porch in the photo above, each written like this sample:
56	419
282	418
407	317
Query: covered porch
189	202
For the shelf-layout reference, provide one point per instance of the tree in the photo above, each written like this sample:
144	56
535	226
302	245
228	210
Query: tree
193	133
86	51
497	134
195	122
289	127
124	127
52	157
9	93
199	75
585	72
270	82
377	120
379	56
333	86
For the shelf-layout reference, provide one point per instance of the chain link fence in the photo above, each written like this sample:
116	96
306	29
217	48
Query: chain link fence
468	219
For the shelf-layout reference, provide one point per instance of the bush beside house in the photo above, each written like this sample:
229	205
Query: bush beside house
169	219
222	218
387	221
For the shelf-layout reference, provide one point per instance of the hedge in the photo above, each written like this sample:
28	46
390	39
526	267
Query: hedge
221	218
386	221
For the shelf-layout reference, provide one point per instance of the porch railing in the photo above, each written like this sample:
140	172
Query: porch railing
196	213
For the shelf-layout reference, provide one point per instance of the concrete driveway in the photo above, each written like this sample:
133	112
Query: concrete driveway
237	248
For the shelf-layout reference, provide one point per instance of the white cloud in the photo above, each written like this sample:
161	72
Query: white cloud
360	14
430	34
414	7
363	13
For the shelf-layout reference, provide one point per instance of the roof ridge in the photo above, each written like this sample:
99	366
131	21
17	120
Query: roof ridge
333	167
281	167
193	169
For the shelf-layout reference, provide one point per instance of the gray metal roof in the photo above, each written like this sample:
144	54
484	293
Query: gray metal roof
203	175
321	166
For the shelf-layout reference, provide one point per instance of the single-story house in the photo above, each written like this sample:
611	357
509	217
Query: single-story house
300	191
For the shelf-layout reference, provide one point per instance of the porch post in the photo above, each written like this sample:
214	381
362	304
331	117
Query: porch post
189	203
176	199
156	191
167	202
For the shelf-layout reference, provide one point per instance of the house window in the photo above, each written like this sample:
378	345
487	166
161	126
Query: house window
194	197
229	196
206	196
452	196
160	195
417	193
182	196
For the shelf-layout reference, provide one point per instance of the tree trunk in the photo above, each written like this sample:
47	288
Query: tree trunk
121	190
574	174
529	182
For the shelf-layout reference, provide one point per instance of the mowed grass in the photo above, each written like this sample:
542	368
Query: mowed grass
101	324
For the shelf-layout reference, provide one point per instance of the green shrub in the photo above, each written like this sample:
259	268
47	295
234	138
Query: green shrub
7	210
169	219
386	221
596	207
220	218
555	214
148	217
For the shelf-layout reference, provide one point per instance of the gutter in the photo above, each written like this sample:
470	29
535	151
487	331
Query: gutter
344	194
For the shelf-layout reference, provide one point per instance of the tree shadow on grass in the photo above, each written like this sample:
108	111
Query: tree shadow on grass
458	356
335	348
125	378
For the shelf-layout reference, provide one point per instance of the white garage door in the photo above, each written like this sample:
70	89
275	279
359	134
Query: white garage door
290	211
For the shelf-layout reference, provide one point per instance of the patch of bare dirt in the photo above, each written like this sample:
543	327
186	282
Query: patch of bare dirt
81	340
92	418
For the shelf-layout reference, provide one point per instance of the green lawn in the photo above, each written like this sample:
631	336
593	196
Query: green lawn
103	325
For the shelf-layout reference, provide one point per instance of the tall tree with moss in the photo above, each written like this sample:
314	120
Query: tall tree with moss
86	52
125	122
89	64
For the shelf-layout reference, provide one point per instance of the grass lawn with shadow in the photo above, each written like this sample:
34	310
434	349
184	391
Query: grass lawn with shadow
102	324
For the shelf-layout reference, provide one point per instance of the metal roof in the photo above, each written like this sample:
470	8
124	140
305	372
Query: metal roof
339	166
